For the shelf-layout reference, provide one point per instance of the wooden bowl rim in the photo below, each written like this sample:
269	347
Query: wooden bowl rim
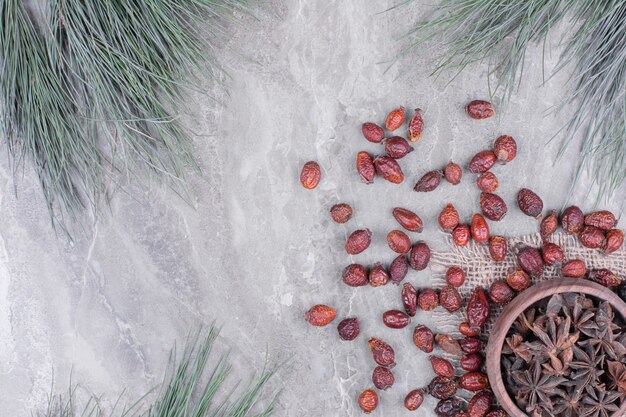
519	304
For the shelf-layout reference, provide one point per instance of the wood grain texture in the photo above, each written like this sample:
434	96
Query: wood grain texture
519	304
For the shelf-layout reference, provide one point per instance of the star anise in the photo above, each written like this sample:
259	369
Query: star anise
599	402
587	364
582	317
569	404
604	342
515	345
536	388
617	378
555	342
525	321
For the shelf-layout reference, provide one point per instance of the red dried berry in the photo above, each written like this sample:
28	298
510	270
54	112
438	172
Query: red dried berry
497	248
493	206
428	182
419	257
552	253
348	329
416	126
448	344
549	224
480	404
455	276
414	399
450	299
355	275
450	407
423	338
477	308
605	277
518	279
358	241
453	173
398	269
407	219
500	292
396	319
461	235
448	218
382	353
473	381
497	413
341	213
378	276
505	149
395	119
487	182
592	237
409	299
389	169
442	367
428	299
602	219
368	401
442	388
529	202
572	220
483	161
470	345
574	269
320	315
372	132
466	330
310	175
365	167
530	260
614	240
472	362
479	109
382	378
398	241
479	229
397	147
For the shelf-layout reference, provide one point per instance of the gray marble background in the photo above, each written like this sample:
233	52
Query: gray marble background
255	250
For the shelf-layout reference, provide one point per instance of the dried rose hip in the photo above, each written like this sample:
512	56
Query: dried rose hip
398	269
592	237
493	206
397	147
487	182
448	344
355	275
479	109
382	378
614	240
530	260
472	362
453	173
461	235
450	299
423	338
477	308
341	213
378	276
549	224
442	367
572	220
480	404
409	299
320	315
358	241
348	328
529	202
428	182
505	149
448	218
473	381
455	276
482	162
428	299
365	167
389	169
395	319
368	401
466	330
479	229
603	219
518	279
500	292
574	269
497	413
419	257
416	126
450	407
310	175
442	388
407	219
604	277
398	241
497	248
470	345
552	253
395	119
373	132
382	353
414	399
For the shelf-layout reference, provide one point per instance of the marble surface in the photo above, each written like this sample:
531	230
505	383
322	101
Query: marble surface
255	250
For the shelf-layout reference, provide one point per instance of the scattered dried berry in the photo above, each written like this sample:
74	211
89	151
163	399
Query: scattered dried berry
397	147
477	308
461	235
378	276
373	132
472	362
395	119
480	404
493	206
396	319
442	388
341	213
455	276
416	126
473	381
483	161
479	229
382	378
572	220
500	292
497	413
423	338
355	275
419	257
409	299
518	279
448	218
549	224
604	277
466	330
450	299
505	149
358	241
365	167
368	401
552	254
574	269
407	219
479	109
487	182
470	345
310	175
398	241
530	260
603	219
428	182
398	269
382	353
453	173
592	237
450	407
414	399
497	248
529	202
442	367
320	315
428	299
349	328
614	240
389	169
448	344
